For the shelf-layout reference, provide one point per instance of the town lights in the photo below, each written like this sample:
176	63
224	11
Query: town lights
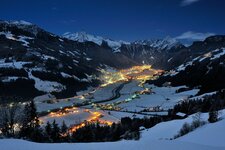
137	73
140	73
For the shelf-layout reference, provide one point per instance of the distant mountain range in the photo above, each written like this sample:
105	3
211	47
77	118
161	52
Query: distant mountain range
34	61
85	37
160	44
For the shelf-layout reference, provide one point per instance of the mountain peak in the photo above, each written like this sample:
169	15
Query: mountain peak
17	22
165	43
23	25
84	37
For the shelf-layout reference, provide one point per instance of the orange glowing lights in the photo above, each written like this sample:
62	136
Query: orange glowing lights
144	72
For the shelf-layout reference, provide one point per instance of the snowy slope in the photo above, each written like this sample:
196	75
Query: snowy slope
143	144
20	22
205	71
167	130
215	54
210	134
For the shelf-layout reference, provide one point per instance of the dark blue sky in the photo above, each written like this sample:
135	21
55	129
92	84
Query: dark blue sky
121	19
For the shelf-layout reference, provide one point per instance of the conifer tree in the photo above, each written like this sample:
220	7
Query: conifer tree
55	135
213	116
30	126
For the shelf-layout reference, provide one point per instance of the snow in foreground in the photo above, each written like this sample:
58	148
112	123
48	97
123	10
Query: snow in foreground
211	134
208	137
144	144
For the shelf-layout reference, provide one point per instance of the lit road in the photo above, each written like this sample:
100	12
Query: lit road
115	92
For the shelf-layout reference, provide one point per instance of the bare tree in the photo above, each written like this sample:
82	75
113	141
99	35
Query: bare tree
9	119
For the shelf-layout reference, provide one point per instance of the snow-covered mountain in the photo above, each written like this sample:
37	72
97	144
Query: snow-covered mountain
84	37
45	63
160	44
206	72
19	22
154	51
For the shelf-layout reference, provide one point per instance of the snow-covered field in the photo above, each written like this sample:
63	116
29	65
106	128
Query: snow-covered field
126	91
163	97
104	93
44	106
46	86
82	114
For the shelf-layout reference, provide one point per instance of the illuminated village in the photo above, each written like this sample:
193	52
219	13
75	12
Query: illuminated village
112	75
138	74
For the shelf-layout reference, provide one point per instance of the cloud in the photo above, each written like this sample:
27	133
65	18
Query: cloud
191	36
188	2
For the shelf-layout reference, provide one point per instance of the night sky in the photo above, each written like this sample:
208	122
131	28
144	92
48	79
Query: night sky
122	19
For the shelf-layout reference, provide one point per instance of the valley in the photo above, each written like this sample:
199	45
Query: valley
123	93
93	75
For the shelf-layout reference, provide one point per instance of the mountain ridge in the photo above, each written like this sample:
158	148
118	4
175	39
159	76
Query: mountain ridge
30	55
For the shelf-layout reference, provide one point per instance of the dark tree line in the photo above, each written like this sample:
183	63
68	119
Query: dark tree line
127	128
209	103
